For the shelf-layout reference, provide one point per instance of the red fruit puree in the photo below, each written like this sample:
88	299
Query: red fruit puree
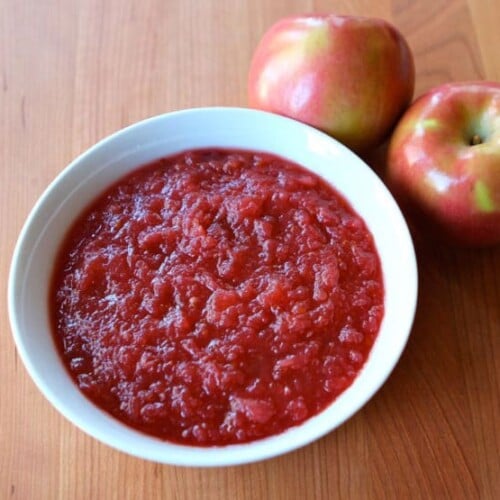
216	297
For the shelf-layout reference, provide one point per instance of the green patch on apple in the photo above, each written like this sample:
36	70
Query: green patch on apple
483	198
316	41
429	124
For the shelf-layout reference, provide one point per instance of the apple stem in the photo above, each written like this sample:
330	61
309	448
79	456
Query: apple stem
476	139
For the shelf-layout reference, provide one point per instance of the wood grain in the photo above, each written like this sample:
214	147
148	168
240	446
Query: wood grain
72	72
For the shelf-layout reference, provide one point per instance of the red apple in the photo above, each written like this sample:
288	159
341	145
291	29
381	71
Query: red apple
444	160
351	77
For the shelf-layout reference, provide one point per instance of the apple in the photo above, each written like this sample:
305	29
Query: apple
444	161
351	77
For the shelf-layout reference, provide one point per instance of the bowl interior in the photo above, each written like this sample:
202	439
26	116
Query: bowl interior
161	136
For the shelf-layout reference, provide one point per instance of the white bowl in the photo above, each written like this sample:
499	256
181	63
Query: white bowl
164	135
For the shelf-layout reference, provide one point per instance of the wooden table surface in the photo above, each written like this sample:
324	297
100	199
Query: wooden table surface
71	72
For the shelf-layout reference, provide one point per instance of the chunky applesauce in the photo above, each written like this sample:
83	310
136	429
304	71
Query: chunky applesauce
216	297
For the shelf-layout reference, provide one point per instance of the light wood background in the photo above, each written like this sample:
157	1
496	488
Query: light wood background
72	72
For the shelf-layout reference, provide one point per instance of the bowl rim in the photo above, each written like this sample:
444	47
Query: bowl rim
193	455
